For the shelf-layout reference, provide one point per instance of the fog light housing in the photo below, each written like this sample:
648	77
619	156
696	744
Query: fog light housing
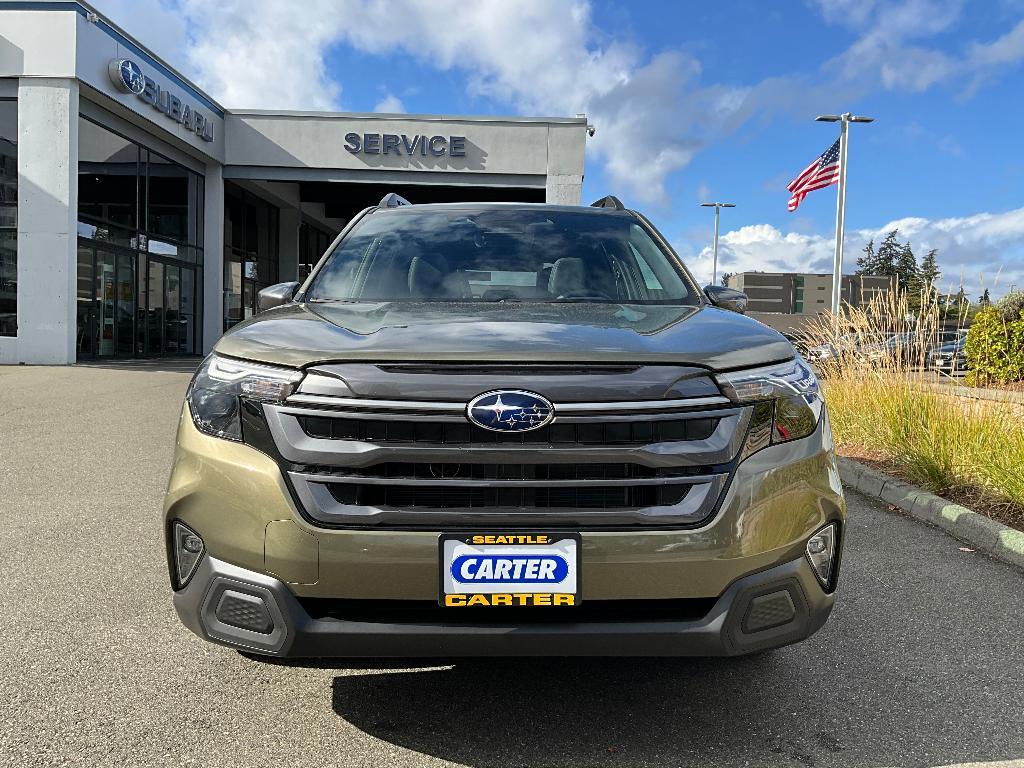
188	551
821	550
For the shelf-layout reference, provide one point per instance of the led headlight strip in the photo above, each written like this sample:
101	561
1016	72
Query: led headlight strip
214	396
786	398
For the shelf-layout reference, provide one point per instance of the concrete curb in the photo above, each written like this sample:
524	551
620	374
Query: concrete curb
976	393
981	532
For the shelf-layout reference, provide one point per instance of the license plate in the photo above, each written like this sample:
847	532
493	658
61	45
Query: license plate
509	569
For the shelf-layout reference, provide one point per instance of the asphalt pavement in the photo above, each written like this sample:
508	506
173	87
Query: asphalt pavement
921	664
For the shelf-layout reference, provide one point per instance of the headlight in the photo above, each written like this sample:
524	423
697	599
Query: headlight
787	401
215	394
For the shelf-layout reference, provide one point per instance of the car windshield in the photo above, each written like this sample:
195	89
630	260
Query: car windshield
490	255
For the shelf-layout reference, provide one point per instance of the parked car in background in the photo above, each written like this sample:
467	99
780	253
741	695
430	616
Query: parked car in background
819	353
948	358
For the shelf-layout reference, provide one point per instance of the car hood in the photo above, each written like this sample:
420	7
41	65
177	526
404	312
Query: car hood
303	334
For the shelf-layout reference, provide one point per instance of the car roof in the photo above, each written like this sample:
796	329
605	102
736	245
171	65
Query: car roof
513	206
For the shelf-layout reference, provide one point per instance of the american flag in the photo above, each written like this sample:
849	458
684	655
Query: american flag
821	173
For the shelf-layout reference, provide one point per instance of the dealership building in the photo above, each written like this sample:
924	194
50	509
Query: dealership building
139	217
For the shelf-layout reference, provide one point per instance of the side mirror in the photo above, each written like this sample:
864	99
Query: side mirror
726	298
276	295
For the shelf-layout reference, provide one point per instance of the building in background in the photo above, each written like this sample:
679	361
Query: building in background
139	217
787	300
804	294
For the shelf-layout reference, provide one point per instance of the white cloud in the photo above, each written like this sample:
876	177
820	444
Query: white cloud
985	249
390	103
653	112
541	57
886	52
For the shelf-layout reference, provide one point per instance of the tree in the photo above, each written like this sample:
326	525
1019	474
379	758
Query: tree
929	271
725	278
985	300
866	264
905	266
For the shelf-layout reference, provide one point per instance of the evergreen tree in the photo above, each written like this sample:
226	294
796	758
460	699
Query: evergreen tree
905	266
985	300
885	257
866	263
929	271
928	276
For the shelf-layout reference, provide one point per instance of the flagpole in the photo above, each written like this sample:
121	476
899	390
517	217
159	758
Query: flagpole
844	121
837	266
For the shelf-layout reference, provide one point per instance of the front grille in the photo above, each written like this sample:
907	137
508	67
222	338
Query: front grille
398	430
429	612
481	497
356	454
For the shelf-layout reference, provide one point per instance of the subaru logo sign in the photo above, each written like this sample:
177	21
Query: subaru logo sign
127	75
510	411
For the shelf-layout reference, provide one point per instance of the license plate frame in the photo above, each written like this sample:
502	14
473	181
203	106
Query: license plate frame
537	554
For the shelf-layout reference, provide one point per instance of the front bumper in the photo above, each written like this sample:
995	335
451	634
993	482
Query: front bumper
771	608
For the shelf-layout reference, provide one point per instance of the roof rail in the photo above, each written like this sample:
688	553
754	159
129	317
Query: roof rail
393	200
609	201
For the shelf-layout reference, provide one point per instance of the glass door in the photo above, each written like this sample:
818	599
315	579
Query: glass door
170	311
106	300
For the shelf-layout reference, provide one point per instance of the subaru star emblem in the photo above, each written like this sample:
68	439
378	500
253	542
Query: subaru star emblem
127	75
510	411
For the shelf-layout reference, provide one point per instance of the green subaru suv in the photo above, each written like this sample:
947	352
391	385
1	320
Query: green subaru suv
503	429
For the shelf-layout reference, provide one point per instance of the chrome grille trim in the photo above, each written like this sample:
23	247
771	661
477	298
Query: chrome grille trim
297	447
356	403
498	483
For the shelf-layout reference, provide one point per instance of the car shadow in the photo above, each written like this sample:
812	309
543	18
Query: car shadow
508	712
753	710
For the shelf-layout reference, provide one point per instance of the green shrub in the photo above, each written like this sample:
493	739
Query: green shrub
995	348
1011	306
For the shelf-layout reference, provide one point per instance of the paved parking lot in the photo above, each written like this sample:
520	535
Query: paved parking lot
922	663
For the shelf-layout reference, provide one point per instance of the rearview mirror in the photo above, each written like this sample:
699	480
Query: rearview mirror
727	298
276	295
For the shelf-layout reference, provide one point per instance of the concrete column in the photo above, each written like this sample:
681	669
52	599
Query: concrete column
288	246
563	190
47	220
564	183
213	257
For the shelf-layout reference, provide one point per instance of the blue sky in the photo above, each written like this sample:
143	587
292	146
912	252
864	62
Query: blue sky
690	101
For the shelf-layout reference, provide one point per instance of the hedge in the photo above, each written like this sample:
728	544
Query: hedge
995	348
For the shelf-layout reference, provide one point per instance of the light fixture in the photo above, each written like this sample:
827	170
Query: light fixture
821	549
188	551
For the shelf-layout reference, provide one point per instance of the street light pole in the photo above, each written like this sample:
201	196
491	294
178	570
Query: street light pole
717	207
844	121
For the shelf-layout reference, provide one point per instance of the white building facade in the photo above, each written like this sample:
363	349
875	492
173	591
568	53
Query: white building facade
139	218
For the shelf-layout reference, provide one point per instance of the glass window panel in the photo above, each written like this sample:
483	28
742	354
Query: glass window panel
186	339
86	306
107	175
167	198
106	301
8	218
108	233
125	304
248	299
155	313
233	291
163	248
172	311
